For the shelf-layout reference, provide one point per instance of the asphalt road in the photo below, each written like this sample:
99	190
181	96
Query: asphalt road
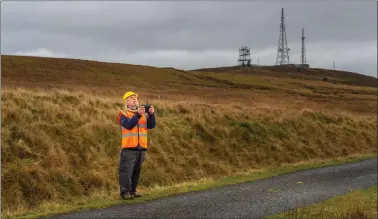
253	199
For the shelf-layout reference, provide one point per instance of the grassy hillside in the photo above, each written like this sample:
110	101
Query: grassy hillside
69	73
59	145
60	139
166	83
292	71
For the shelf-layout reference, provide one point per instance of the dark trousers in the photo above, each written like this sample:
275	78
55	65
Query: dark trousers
129	170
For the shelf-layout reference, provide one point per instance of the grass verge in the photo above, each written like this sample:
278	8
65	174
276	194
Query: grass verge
359	204
106	200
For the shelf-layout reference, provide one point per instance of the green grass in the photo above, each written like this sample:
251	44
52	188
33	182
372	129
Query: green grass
106	200
359	204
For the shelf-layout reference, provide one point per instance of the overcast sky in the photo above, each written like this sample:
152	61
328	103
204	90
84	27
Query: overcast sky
190	35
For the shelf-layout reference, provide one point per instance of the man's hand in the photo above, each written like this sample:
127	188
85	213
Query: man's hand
141	110
151	110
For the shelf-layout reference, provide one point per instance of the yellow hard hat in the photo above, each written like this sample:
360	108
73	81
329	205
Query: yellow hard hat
128	94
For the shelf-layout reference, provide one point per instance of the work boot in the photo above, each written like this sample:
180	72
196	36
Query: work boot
136	195
127	196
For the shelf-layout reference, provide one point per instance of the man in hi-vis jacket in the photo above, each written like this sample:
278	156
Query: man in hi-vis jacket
135	122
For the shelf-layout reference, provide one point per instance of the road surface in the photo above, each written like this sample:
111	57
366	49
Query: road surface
253	199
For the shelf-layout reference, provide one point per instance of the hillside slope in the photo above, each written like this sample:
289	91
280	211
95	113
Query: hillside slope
155	83
291	71
53	72
60	139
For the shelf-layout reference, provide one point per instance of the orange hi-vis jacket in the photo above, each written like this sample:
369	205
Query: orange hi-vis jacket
137	136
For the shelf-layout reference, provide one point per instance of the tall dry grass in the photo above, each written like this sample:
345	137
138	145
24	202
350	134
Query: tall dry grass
58	145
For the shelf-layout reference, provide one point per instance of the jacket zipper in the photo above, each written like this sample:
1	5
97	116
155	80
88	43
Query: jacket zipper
138	135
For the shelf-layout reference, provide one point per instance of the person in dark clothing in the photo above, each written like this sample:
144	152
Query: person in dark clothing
135	122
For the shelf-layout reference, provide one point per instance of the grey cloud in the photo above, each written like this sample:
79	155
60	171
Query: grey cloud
101	30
